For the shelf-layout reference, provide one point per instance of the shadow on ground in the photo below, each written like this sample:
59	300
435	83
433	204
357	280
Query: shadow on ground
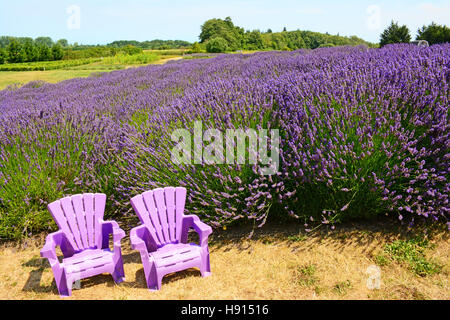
33	283
361	234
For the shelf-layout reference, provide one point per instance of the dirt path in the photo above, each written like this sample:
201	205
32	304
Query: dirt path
278	262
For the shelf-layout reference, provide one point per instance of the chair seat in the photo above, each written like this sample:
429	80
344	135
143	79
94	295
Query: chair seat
175	253
87	260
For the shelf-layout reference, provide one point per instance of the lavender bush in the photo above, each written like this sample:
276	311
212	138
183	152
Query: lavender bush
364	132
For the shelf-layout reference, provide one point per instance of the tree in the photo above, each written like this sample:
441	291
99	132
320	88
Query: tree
211	28
278	41
30	51
395	34
63	43
15	52
237	38
217	44
284	29
4	41
254	40
229	22
130	49
196	48
434	33
295	40
57	52
3	56
44	40
225	29
45	53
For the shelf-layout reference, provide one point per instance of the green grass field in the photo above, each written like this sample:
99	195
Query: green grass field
80	69
22	77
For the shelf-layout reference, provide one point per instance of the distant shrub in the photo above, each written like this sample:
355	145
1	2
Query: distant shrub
129	49
196	48
45	65
125	59
326	45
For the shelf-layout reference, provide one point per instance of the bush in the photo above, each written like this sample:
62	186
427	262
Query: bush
326	45
130	50
363	133
125	59
45	65
196	48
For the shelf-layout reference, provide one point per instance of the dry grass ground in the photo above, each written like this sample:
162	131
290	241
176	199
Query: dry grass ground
278	262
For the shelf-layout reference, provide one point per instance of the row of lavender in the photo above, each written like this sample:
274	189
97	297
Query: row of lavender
363	133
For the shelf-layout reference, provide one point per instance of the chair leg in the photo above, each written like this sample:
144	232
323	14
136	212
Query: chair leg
154	282
64	287
205	267
118	273
152	277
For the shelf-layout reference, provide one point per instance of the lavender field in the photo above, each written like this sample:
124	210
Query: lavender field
363	133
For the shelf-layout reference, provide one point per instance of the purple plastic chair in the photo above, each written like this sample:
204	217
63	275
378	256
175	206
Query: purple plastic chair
84	241
162	237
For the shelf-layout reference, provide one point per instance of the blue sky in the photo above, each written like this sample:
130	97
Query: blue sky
103	21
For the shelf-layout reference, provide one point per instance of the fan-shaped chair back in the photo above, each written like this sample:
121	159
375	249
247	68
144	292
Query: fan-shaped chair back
78	217
161	210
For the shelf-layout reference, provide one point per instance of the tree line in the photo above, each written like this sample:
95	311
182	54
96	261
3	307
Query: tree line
433	34
221	35
217	35
24	49
156	44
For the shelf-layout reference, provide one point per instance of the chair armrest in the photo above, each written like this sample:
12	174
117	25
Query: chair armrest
141	240
111	227
138	237
203	230
51	242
